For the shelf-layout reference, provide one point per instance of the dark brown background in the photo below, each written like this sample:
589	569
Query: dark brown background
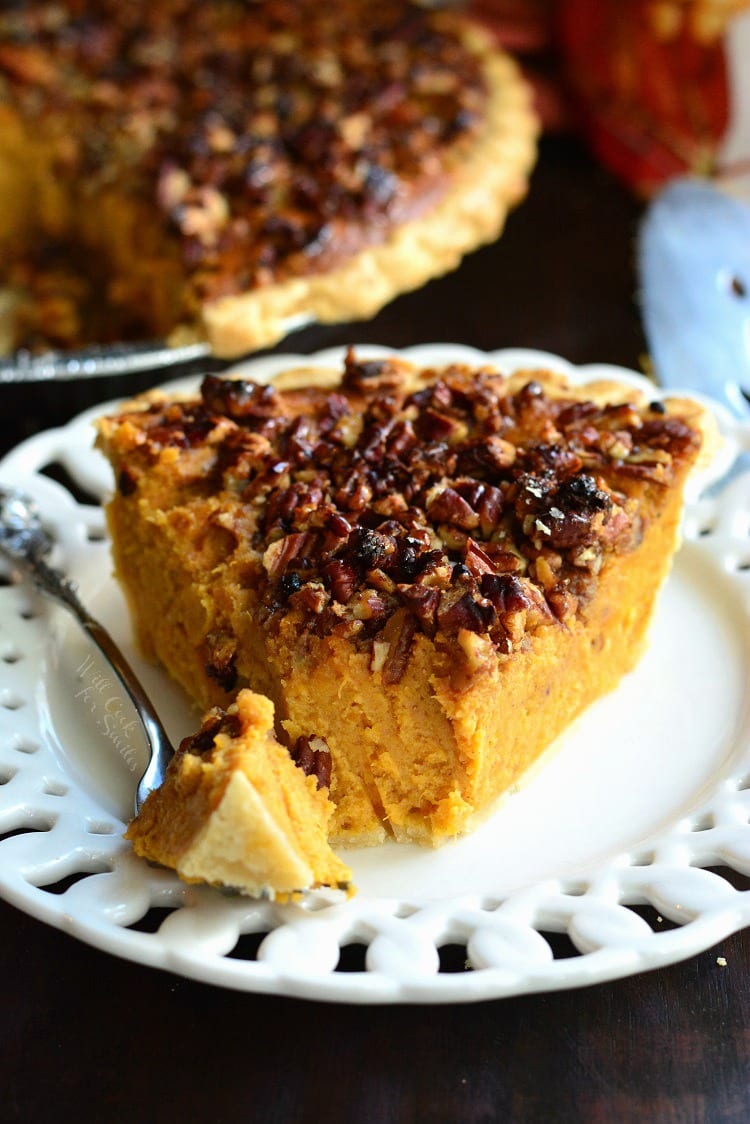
83	1032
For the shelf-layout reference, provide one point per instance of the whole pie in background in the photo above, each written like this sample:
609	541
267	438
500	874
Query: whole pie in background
183	170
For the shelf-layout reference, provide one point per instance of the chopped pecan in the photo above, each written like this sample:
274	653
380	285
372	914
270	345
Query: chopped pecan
671	434
240	399
449	507
562	602
490	508
338	525
216	722
203	741
476	560
506	592
369	549
279	554
341	578
582	494
369	605
398	634
221	658
434	426
491	455
28	63
313	756
467	612
312	598
127	482
368	374
424	602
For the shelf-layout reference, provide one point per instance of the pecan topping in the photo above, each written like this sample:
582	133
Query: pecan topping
221	658
313	757
126	482
398	633
239	399
216	722
390	534
449	507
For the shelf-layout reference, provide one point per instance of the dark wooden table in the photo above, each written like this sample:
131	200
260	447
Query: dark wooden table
86	1033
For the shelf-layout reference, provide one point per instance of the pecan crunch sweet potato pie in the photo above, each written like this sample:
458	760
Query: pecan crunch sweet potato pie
224	171
434	571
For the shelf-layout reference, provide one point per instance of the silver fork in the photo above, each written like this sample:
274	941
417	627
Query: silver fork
27	544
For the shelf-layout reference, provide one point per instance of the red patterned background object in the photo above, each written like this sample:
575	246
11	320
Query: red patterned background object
648	82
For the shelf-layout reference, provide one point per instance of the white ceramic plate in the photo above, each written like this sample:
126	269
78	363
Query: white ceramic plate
606	845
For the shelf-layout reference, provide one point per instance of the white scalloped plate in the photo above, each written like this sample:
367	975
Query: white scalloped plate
607	843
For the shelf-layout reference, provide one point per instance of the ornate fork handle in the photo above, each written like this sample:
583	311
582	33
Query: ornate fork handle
53	584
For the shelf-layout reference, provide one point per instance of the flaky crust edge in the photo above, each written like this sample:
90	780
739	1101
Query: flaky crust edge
492	179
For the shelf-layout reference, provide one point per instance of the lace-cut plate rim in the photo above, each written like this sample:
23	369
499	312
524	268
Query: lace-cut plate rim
628	850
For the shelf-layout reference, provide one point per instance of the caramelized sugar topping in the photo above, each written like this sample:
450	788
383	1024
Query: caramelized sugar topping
456	505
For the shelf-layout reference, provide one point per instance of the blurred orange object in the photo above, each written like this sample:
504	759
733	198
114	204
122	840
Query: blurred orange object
662	87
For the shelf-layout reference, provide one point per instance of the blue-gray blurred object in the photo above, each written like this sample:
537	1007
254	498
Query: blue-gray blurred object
694	266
